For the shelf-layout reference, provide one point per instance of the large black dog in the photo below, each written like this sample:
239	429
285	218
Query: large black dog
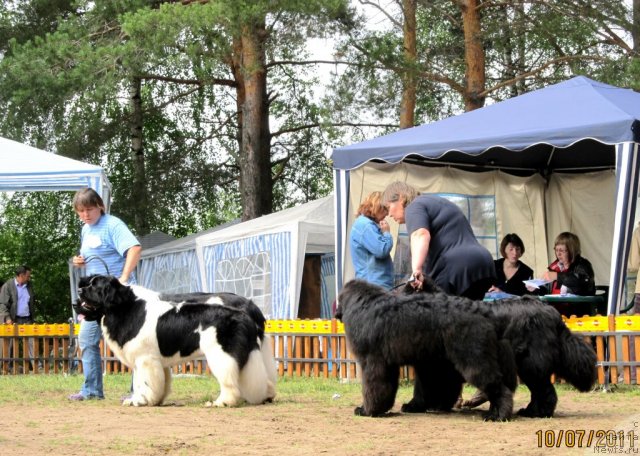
150	332
386	331
541	342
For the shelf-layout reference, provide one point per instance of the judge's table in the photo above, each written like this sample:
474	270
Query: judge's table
579	306
567	305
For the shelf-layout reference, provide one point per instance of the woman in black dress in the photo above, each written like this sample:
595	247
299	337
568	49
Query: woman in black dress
510	271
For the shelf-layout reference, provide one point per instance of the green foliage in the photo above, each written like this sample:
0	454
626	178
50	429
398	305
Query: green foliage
547	41
65	91
22	20
67	66
41	230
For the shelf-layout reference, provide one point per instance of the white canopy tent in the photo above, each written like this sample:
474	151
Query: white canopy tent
25	168
261	258
264	258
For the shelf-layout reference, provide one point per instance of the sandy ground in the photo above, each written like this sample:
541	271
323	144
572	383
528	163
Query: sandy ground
294	425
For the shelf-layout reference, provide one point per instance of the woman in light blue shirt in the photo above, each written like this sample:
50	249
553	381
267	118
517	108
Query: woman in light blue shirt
371	243
107	240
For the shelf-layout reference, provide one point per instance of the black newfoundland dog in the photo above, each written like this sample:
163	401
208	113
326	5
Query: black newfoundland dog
150	332
453	343
541	342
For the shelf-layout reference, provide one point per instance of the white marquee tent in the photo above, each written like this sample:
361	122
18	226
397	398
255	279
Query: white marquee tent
261	258
26	168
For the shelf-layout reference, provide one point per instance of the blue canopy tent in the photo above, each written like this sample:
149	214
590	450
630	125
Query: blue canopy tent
578	125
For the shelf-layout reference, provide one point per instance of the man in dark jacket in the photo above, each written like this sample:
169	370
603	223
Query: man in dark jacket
17	301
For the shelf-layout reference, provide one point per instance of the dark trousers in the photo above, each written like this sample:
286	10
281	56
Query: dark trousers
24	321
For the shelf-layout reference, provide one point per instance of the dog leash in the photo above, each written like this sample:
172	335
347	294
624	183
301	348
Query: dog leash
96	257
404	284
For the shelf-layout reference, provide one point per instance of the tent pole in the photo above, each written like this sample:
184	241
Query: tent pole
341	208
627	174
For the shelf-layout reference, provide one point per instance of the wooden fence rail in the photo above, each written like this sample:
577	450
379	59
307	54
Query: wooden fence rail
309	348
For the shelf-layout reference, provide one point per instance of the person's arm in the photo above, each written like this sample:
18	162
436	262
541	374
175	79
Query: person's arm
420	240
379	243
131	261
579	279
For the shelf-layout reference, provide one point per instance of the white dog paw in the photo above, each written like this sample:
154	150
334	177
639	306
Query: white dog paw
225	402
134	401
219	403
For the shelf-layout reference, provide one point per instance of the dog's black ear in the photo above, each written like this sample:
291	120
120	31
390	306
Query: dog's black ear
338	312
407	289
430	286
107	287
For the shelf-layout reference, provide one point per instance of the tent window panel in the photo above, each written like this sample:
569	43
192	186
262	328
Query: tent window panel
248	276
480	210
177	280
171	273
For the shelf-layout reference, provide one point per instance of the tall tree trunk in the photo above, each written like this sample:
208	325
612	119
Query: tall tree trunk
473	55
255	153
140	197
235	63
635	28
408	102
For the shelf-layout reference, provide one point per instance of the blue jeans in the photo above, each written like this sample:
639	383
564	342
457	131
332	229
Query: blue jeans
89	342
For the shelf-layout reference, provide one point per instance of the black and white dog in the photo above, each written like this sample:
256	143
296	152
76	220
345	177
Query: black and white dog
150	332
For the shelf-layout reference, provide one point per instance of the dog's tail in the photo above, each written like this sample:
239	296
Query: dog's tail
255	382
266	349
577	360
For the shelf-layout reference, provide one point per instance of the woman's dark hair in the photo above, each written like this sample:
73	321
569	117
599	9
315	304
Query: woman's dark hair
511	238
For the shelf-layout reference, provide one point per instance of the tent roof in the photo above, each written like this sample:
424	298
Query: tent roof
580	112
315	217
183	244
154	239
25	168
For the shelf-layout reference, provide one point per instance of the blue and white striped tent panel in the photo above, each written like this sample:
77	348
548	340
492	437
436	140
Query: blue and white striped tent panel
257	267
171	272
328	271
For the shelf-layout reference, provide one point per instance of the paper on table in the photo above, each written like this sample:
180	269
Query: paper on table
536	283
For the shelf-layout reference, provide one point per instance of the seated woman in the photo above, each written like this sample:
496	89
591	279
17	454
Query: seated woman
510	271
570	272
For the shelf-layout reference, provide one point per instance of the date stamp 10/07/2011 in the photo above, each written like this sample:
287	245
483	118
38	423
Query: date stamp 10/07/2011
601	440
